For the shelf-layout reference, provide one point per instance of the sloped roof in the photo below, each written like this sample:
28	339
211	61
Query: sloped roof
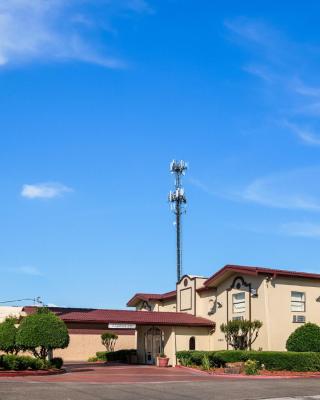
91	315
151	296
227	269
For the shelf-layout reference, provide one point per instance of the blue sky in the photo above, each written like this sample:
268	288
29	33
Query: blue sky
97	97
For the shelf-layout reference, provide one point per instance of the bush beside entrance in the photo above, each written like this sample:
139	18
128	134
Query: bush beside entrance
119	355
271	360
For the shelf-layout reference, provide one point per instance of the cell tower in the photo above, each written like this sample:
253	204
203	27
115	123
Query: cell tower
178	202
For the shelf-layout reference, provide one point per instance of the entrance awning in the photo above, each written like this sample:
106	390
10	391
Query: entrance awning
104	316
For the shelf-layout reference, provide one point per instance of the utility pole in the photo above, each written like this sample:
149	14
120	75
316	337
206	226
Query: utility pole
178	202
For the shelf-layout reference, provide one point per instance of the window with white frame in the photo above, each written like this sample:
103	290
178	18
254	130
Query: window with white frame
298	301
239	302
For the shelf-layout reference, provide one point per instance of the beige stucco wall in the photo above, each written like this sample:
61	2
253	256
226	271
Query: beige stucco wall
83	346
10	311
271	306
186	294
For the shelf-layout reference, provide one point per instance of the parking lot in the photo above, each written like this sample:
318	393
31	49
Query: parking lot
122	382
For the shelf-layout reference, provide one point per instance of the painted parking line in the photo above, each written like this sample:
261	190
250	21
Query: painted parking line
296	398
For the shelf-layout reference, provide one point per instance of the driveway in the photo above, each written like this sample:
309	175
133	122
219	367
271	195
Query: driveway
110	373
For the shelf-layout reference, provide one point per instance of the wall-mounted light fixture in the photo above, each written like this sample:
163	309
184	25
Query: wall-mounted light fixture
254	292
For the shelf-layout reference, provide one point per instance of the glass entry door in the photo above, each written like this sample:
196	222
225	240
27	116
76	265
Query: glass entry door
153	344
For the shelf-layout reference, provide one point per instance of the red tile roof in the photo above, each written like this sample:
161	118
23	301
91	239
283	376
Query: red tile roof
256	271
91	315
150	296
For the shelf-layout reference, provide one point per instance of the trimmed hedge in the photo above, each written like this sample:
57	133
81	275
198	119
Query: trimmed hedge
21	363
119	355
56	362
272	360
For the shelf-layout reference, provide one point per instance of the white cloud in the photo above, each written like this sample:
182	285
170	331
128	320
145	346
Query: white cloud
306	90
306	135
286	68
297	189
44	190
56	30
301	229
260	71
28	270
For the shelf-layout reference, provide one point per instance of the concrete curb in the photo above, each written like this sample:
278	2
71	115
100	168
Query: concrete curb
15	374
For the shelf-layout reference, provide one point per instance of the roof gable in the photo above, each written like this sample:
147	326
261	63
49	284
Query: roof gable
151	296
228	270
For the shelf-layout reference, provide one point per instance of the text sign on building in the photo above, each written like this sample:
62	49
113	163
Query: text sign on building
121	326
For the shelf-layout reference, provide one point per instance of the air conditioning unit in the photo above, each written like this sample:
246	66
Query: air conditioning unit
300	319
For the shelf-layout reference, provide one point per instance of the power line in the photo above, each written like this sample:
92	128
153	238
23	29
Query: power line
35	300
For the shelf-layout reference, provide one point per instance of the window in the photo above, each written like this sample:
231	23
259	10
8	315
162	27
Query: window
298	301
192	343
239	302
237	318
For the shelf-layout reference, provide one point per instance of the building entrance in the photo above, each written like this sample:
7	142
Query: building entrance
153	342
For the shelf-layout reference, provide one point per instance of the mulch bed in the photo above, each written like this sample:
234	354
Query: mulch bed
40	372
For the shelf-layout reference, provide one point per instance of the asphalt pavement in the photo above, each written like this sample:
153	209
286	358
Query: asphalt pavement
205	390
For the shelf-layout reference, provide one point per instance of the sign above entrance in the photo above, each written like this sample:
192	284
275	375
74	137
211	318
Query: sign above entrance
121	326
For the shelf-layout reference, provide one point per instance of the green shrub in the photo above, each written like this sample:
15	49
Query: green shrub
42	332
8	332
205	362
21	363
195	357
272	360
38	364
119	355
93	359
57	362
305	338
251	367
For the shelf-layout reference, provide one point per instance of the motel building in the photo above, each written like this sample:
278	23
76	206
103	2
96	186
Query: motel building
189	317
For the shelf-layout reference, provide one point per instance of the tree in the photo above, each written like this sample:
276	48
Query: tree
240	334
305	338
42	332
8	333
109	339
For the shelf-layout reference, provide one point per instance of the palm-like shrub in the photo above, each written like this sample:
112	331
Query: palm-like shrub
109	339
240	334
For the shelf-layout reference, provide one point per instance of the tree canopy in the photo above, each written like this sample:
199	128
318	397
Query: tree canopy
8	333
42	332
